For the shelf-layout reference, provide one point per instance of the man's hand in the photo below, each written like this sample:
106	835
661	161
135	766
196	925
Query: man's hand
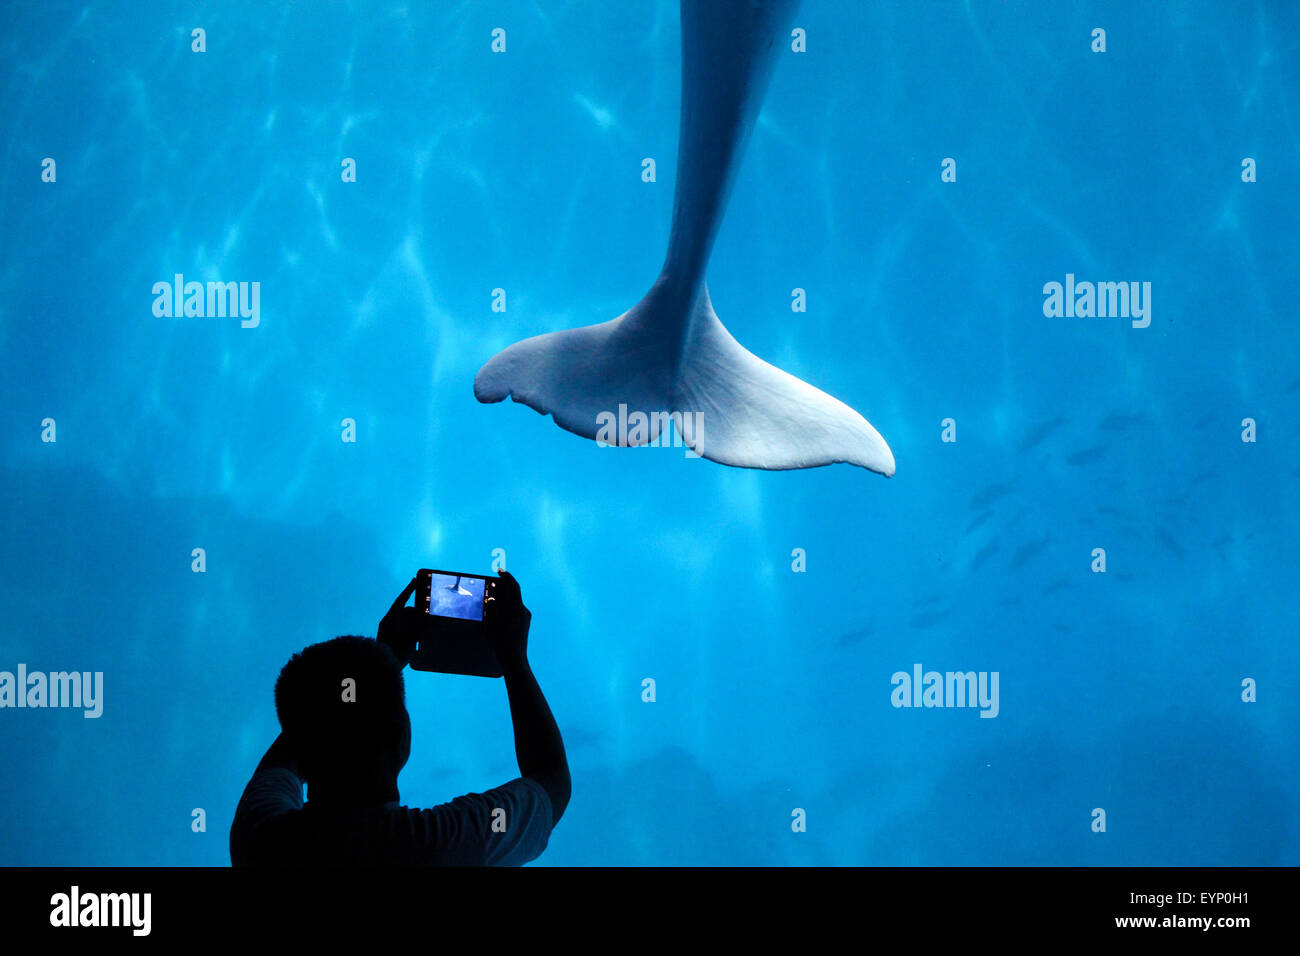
506	620
400	629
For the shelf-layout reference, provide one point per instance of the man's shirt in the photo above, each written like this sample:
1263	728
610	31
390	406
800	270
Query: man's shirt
273	826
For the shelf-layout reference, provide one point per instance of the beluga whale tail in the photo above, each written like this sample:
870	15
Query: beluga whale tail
669	353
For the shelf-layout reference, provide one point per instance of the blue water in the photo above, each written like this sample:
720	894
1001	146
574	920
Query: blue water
522	171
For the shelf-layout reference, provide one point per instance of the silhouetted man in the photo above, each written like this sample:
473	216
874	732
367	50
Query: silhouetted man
348	742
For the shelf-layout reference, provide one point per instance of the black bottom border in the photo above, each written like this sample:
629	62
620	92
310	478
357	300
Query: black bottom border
921	903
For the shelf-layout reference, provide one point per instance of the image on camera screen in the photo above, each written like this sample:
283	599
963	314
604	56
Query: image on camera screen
453	595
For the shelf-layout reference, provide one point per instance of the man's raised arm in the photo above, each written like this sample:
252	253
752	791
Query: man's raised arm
538	746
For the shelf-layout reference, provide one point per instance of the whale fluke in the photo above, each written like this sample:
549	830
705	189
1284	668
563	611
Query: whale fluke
751	413
669	353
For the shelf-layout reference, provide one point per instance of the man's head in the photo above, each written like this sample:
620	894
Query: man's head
342	706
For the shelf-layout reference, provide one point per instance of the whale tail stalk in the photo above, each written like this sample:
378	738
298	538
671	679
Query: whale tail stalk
750	414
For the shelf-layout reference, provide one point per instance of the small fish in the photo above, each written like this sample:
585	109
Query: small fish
1087	456
978	520
983	554
990	494
1164	538
855	637
1039	432
576	737
1119	422
929	619
1028	551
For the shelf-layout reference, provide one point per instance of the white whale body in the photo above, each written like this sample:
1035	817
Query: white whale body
670	352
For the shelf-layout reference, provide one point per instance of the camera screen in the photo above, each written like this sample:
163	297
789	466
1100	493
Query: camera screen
456	595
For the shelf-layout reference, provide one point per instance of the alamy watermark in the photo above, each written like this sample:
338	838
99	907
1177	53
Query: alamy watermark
624	429
216	300
76	908
1102	300
82	689
947	689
